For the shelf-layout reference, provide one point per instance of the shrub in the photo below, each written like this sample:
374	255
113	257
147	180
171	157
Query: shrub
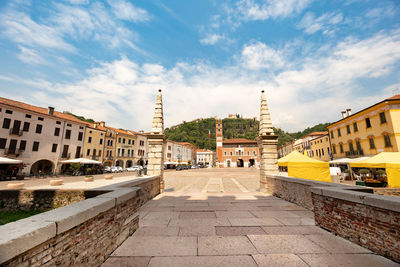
364	171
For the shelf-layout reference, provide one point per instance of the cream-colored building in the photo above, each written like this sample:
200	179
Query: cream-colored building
141	148
124	148
368	132
94	144
40	137
205	157
178	152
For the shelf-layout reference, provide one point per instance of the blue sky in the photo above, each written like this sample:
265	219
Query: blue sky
106	59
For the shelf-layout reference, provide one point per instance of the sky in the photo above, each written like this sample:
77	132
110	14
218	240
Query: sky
106	59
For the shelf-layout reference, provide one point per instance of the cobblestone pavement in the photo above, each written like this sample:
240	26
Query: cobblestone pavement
217	218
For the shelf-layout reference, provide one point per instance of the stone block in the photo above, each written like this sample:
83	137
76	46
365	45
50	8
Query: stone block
348	195
225	245
20	236
121	195
383	202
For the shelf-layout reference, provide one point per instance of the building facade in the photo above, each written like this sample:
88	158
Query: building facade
368	132
205	157
240	152
179	152
141	148
94	144
40	137
124	148
320	148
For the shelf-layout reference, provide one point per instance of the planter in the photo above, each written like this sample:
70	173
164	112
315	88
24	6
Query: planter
360	183
89	179
56	182
17	185
108	176
374	184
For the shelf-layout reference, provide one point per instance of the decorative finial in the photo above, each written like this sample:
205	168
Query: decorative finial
265	117
158	119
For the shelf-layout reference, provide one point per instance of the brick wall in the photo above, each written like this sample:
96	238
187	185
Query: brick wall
89	243
372	227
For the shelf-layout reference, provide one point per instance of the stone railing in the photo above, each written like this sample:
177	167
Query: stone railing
352	212
83	233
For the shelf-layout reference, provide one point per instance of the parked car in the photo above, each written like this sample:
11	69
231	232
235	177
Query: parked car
134	168
107	169
116	169
179	168
120	169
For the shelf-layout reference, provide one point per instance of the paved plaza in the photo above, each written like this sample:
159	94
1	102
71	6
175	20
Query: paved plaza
216	217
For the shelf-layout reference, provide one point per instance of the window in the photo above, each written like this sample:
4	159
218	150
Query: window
129	153
358	144
9	111
90	131
123	152
355	127
69	124
331	134
99	153
119	152
3	142
28	116
348	129
133	142
88	152
58	122
351	148
382	117
129	141
322	151
39	128
89	139
26	126
341	147
57	132
368	123
54	148
119	140
334	149
101	141
68	134
387	141
40	118
133	153
35	146
80	136
123	140
80	127
338	132
6	123
22	145
225	153
94	152
371	143
231	153
78	152
65	151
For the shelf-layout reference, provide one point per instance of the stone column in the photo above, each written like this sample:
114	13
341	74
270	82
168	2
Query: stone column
268	144
156	141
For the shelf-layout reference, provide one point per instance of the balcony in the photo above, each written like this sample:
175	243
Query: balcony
110	158
66	155
15	131
12	152
354	153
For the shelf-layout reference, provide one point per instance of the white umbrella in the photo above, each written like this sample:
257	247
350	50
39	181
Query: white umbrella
9	161
170	162
81	161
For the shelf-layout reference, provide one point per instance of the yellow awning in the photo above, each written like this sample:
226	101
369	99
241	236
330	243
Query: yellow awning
388	160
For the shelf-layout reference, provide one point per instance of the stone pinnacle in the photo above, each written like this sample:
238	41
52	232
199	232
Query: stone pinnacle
158	119
265	117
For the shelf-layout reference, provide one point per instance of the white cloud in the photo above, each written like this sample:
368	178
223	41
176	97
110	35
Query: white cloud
126	11
30	56
309	91
212	39
327	23
270	9
260	56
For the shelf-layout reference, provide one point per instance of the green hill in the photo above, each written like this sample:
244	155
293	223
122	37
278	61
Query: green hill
196	132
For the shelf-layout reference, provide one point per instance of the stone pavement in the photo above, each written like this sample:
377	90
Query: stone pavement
196	226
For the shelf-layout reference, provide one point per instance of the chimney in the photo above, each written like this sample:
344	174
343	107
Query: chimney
95	125
348	111
343	114
50	110
102	124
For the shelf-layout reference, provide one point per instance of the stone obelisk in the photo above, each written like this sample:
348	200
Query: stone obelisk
268	144
156	140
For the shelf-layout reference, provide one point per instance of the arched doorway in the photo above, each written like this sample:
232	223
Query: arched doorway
119	163
128	164
251	162
228	163
240	163
42	166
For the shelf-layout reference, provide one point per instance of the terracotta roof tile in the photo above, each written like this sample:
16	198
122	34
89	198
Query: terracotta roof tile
396	97
40	110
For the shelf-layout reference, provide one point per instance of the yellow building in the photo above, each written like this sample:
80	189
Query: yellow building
368	132
93	147
320	148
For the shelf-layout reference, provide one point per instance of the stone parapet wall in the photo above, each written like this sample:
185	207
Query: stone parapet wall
387	191
83	233
371	221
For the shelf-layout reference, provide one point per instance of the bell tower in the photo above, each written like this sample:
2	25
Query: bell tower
219	138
